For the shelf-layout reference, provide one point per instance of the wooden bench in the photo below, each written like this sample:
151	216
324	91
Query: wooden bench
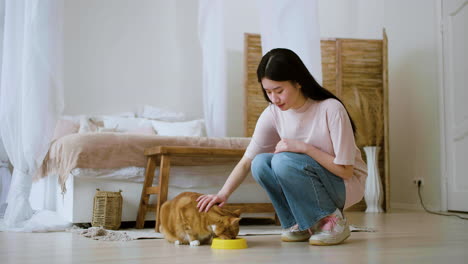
166	154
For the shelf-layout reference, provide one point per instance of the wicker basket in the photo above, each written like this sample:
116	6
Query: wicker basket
107	210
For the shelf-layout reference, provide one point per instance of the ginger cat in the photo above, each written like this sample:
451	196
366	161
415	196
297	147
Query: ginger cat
182	223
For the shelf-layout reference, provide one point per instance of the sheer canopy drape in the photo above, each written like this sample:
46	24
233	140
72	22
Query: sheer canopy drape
5	178
5	175
31	99
292	24
211	34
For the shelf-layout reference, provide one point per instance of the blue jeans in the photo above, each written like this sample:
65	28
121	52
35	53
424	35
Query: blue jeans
301	190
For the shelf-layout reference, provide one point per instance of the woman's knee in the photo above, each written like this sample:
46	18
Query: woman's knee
261	164
284	162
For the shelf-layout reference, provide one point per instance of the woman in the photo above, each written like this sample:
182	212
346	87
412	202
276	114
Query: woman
302	153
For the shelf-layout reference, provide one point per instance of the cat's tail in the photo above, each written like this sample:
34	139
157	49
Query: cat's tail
163	216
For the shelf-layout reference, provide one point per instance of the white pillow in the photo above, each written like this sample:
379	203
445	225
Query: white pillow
100	118
194	128
125	124
63	127
89	124
152	112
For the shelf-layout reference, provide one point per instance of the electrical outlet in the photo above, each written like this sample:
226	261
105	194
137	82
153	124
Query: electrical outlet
418	179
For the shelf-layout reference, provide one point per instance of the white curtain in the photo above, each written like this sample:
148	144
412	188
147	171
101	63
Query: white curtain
292	24
5	175
31	100
5	178
211	34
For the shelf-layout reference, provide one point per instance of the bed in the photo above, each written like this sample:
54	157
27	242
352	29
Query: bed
110	160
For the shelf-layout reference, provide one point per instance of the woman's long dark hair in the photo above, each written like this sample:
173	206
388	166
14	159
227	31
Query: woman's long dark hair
284	65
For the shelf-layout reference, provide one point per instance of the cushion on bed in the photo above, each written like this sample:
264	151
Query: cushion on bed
89	124
123	124
65	127
194	128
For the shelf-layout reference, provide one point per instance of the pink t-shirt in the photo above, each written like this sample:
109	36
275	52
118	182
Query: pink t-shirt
323	124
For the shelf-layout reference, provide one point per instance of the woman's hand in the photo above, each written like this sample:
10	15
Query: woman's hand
206	201
290	145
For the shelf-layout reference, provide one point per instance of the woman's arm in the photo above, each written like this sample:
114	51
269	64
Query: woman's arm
323	158
238	174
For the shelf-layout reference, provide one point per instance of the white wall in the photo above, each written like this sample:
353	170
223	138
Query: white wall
351	19
412	30
121	54
413	33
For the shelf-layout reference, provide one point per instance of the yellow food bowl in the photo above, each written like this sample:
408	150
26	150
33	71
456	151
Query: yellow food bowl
238	243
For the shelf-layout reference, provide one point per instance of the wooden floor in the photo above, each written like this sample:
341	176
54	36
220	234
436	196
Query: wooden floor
401	237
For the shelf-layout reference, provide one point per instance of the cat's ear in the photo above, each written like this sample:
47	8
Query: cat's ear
237	212
234	221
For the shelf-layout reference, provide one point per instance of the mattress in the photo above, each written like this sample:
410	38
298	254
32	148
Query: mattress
180	176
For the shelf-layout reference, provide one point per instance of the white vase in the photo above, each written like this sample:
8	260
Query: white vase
373	194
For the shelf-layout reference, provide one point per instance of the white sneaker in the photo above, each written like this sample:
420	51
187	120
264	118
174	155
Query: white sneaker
333	229
294	235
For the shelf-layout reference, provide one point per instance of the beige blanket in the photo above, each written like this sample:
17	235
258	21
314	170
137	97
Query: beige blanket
118	150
